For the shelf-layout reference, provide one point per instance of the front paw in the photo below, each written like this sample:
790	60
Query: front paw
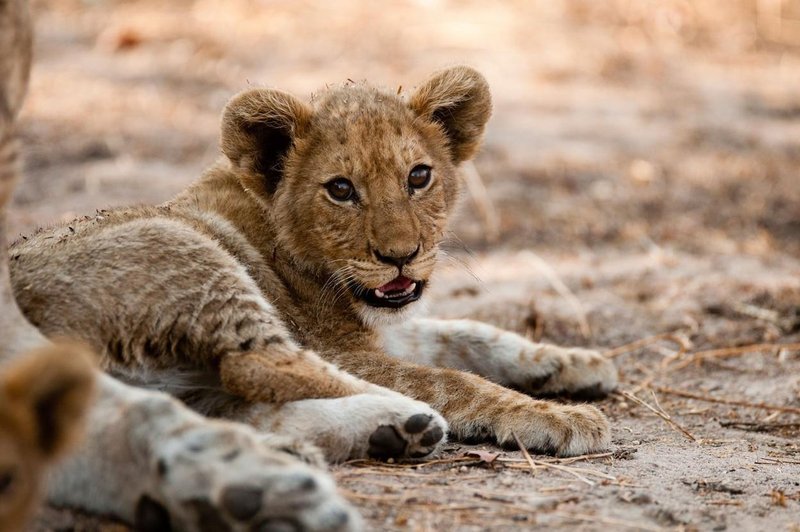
582	374
561	430
406	429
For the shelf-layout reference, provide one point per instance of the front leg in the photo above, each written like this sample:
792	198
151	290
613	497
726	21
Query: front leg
477	408
502	357
371	425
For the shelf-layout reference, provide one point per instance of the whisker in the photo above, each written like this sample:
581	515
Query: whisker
462	264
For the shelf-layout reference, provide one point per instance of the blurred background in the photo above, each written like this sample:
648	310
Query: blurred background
619	122
641	174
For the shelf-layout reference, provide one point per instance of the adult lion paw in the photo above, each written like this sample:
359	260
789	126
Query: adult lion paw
218	476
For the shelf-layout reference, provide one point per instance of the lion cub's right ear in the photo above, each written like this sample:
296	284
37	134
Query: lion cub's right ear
258	128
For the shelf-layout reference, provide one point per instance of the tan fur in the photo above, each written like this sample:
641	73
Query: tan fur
238	290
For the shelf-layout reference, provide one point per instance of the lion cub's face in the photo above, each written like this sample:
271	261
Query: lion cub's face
360	184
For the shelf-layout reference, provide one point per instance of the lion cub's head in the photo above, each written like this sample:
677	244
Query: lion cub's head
360	182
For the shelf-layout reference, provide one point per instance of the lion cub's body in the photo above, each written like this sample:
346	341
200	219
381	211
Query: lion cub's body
258	294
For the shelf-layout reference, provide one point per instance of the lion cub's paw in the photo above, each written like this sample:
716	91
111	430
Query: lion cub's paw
561	430
409	429
394	426
582	374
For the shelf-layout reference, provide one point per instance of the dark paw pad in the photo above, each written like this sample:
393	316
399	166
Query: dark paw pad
385	443
151	515
432	437
277	525
208	517
417	423
537	383
242	502
590	393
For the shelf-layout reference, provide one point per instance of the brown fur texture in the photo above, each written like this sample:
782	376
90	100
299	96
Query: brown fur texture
247	288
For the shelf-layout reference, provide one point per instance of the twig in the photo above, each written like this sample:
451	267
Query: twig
563	290
758	426
732	402
364	462
777	461
727	352
569	470
758	313
659	412
597	519
570	460
621	350
525	453
726	502
590	472
533	464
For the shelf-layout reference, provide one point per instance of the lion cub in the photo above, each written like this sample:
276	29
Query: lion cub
279	289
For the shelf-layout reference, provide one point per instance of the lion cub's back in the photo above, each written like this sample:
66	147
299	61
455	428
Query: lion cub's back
95	277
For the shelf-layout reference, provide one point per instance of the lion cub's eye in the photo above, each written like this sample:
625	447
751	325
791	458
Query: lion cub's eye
341	189
419	177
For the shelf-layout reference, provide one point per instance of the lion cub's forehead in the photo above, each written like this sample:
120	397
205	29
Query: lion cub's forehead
367	134
363	108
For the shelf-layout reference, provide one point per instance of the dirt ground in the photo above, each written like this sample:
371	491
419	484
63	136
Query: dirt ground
642	165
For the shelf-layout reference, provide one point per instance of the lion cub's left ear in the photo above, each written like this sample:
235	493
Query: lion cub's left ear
259	126
458	99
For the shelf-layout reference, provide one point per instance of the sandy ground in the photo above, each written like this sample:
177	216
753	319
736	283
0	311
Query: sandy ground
643	164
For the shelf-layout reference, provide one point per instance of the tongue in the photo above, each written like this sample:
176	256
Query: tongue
397	285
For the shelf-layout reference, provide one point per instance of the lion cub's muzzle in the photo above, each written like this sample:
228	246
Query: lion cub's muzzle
397	293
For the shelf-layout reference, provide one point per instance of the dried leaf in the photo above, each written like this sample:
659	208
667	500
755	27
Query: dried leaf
485	457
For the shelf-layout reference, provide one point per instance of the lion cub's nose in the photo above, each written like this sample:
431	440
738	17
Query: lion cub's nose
394	258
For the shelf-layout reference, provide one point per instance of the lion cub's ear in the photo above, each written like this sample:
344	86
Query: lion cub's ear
458	99
258	128
48	392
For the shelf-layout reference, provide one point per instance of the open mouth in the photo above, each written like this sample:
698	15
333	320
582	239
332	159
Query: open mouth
397	293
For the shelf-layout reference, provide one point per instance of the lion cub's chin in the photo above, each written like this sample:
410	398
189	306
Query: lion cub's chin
378	317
